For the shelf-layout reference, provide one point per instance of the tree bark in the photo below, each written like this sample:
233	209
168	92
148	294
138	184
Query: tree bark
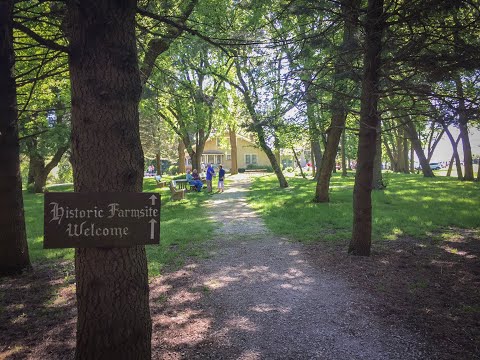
377	182
181	157
417	145
233	147
339	102
463	127
112	283
14	256
369	119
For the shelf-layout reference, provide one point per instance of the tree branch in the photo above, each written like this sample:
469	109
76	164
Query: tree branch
42	41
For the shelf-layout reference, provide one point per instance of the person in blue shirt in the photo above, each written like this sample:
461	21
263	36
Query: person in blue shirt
194	181
210	175
221	178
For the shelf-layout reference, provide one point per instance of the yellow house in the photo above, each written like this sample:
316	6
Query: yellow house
218	151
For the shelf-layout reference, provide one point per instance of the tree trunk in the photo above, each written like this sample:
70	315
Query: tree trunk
233	147
400	151
312	160
450	166
467	153
271	156
38	170
159	163
478	170
112	283
344	161
377	182
339	102
298	163
405	152
369	119
181	157
13	240
316	150
412	158
417	145
463	127
455	152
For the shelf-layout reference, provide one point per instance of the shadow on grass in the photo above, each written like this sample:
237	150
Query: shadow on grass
38	314
432	285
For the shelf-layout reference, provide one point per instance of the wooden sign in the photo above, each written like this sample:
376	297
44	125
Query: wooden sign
75	220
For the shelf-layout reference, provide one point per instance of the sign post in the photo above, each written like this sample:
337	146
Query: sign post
74	220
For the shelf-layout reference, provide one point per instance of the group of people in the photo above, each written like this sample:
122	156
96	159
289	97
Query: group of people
193	178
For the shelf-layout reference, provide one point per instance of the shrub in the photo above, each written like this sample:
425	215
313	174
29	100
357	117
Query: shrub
289	169
172	170
65	172
241	170
179	177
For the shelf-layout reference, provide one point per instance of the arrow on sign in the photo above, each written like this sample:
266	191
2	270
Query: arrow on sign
152	228
153	198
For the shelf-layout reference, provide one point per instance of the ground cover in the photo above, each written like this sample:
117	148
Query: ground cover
184	224
424	268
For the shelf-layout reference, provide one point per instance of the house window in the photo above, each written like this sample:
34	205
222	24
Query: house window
229	156
251	159
218	142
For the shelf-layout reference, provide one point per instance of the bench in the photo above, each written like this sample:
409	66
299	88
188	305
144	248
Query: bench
176	194
183	184
159	181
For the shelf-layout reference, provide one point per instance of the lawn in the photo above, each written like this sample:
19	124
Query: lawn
410	206
183	226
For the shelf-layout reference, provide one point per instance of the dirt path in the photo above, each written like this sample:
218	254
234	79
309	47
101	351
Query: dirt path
257	297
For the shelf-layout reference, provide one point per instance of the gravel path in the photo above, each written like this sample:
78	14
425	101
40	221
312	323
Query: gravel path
257	297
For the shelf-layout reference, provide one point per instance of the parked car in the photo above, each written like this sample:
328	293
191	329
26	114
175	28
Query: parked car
435	166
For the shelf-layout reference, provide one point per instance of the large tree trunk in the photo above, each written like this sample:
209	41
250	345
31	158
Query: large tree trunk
377	182
339	103
362	201
112	283
233	147
417	145
181	157
13	241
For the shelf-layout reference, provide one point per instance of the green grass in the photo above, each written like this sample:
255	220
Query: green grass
410	206
183	226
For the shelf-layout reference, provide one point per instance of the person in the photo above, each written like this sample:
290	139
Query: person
194	180
210	175
221	178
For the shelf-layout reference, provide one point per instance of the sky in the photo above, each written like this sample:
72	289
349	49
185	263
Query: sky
443	152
